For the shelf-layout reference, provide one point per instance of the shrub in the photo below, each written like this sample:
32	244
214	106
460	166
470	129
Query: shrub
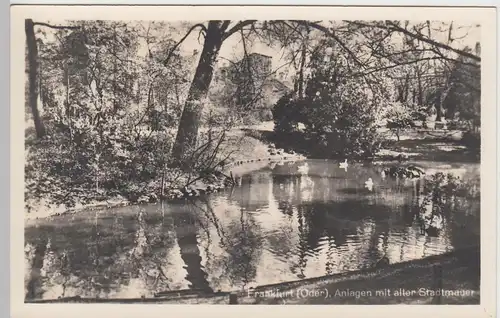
443	188
338	122
399	117
94	163
420	114
342	116
287	113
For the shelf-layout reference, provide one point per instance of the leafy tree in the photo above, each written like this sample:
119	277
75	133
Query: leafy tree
464	97
399	117
109	118
216	32
102	140
338	109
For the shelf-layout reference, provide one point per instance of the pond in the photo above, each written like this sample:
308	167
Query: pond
276	225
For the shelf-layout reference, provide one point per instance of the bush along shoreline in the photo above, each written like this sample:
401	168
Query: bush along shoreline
210	172
220	180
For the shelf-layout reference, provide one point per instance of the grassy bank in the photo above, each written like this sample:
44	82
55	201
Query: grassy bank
409	282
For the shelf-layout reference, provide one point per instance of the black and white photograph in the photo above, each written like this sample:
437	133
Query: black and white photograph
252	161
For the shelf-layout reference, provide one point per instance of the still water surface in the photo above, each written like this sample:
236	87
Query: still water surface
275	226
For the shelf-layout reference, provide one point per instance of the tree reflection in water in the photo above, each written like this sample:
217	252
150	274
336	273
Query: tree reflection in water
240	240
186	229
243	248
261	232
98	258
34	254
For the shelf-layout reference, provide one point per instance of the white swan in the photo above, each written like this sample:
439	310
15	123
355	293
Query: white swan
369	184
344	165
304	169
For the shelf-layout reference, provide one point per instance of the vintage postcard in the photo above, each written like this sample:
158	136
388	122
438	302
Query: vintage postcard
253	156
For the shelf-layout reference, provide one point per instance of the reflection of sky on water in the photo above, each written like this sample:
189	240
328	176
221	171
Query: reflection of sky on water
277	226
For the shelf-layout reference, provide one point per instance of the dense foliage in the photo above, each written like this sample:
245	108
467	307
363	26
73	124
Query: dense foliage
288	113
342	107
110	114
338	110
400	116
108	99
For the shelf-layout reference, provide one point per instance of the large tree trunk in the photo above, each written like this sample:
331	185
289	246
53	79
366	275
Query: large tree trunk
33	76
190	118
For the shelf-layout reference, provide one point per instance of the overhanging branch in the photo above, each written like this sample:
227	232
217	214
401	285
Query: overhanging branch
57	27
238	26
432	42
171	52
396	28
332	35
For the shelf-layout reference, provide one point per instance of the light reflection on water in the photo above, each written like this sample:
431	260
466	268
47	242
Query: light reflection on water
277	226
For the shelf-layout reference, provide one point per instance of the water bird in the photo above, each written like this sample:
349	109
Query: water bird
344	165
383	175
369	184
304	169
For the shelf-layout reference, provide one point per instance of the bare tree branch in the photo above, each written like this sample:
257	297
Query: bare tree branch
332	35
374	70
238	26
57	27
394	27
171	52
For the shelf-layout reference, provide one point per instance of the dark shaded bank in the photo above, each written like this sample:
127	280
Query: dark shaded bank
421	145
292	141
436	150
412	282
